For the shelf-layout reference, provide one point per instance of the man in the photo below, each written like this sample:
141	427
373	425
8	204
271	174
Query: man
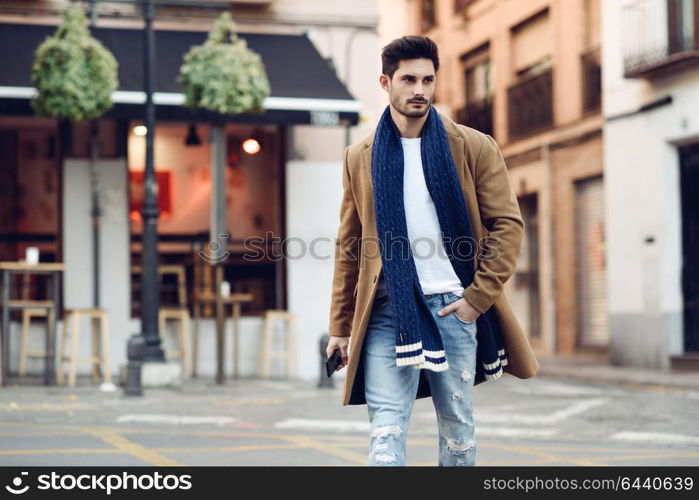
435	323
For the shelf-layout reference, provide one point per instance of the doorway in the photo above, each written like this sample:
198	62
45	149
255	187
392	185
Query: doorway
689	183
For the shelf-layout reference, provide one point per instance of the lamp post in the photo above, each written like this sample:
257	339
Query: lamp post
150	287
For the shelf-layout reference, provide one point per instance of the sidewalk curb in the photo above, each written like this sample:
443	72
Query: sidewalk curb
607	374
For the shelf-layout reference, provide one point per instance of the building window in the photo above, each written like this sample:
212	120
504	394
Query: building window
478	111
592	80
590	59
30	196
530	98
428	14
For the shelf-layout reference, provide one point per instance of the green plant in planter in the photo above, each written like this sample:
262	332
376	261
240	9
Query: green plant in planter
223	74
73	72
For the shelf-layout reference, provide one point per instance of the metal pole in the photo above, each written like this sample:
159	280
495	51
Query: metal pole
96	212
150	287
220	329
218	233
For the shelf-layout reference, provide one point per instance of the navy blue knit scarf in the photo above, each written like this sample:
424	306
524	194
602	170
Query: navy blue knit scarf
418	341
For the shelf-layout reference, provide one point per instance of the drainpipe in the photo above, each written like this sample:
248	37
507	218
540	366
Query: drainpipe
551	309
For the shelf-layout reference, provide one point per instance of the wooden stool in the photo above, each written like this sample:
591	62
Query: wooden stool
184	353
180	313
236	300
24	353
100	345
265	352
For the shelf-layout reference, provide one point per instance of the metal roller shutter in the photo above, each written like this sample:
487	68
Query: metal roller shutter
590	263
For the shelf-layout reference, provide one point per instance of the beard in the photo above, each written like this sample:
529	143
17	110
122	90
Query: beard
409	110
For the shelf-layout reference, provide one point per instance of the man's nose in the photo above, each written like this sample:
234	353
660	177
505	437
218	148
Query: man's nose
419	91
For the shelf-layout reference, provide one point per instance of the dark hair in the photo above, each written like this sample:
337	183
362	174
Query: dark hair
408	47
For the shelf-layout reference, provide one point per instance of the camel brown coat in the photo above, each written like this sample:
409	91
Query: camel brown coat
497	226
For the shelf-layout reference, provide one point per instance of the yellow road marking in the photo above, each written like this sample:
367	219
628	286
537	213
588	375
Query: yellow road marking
66	451
40	434
330	444
250	447
308	442
115	451
163	430
141	452
679	454
662	389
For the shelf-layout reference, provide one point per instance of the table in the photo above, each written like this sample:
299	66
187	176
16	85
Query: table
7	269
234	299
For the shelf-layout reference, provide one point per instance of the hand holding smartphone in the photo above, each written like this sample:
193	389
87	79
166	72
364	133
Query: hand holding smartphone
333	362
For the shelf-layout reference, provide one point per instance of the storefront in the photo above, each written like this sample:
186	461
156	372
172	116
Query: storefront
46	190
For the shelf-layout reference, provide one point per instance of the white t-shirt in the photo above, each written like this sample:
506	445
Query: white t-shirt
433	267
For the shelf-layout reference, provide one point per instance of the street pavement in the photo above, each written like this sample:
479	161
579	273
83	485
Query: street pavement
543	421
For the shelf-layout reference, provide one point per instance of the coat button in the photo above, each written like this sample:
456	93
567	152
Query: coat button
375	276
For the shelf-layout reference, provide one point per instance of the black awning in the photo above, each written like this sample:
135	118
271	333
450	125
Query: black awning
302	82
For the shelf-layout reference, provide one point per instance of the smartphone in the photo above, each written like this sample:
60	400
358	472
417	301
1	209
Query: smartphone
333	362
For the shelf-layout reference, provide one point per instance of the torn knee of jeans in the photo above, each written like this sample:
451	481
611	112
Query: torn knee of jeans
385	458
459	446
465	375
387	430
381	446
456	396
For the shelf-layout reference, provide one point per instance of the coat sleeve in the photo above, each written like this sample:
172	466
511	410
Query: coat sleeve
347	248
501	218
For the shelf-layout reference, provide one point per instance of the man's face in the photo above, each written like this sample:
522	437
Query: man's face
411	90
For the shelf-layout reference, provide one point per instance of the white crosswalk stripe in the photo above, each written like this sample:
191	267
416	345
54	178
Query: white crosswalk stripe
656	437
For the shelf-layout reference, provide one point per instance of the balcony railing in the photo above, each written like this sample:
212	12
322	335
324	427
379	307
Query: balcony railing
660	36
592	81
530	105
478	115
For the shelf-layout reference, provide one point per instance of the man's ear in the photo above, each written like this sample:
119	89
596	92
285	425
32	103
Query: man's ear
383	81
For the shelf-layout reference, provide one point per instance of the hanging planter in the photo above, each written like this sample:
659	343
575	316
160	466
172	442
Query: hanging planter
223	75
73	72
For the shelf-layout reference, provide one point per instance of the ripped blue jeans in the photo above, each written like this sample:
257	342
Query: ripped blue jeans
390	390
